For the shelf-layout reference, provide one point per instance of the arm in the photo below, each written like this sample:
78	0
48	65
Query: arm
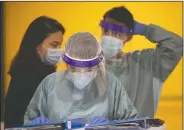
162	60
20	91
36	106
123	107
13	97
129	111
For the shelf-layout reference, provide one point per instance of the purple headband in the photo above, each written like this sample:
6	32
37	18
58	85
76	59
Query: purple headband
78	63
115	27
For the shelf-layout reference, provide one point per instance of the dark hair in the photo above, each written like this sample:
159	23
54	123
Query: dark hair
27	58
122	15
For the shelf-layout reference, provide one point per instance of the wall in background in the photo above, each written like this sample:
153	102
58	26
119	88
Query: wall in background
85	16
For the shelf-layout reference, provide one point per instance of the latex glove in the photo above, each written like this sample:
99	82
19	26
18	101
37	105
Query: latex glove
39	121
78	121
139	28
98	119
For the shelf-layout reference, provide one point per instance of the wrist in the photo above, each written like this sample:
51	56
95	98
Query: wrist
139	28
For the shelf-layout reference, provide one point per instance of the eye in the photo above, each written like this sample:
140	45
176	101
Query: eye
115	34
54	46
89	70
123	35
106	31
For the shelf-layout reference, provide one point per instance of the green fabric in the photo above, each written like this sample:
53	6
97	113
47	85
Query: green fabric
58	99
143	73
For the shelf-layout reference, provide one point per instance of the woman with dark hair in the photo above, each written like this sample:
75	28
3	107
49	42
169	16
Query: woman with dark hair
37	57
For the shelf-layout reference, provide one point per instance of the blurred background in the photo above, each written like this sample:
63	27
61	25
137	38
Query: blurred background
85	16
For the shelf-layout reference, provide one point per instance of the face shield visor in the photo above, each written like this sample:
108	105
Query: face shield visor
115	30
84	58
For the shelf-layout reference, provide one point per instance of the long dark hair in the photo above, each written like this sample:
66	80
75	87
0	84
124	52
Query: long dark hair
27	58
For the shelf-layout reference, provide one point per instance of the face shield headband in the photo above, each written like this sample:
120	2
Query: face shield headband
81	62
115	27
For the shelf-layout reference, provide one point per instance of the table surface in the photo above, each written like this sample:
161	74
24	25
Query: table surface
164	127
152	128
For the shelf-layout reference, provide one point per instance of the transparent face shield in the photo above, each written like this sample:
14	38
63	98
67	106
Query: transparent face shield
115	30
84	58
113	38
82	70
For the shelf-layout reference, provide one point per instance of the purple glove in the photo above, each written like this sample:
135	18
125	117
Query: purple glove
139	28
39	121
98	119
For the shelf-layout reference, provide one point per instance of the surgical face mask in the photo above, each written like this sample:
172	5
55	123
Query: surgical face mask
111	46
81	80
53	56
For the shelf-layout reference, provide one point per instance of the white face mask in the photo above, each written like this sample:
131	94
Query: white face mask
53	56
81	80
111	46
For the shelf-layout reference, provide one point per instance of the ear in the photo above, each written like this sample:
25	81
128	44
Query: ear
67	66
38	47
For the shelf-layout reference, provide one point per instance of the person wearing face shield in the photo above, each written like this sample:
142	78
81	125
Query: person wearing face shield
85	90
142	73
37	57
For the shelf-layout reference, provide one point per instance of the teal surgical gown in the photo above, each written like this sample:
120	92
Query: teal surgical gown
58	99
143	73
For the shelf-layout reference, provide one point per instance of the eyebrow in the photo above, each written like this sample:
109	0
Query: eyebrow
55	42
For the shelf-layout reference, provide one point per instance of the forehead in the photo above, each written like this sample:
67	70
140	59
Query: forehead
84	69
110	20
56	36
